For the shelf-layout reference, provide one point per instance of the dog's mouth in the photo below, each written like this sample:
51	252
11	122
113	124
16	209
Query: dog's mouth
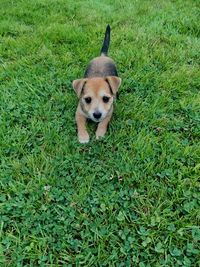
97	120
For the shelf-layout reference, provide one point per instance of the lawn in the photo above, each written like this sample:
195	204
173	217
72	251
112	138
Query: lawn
131	199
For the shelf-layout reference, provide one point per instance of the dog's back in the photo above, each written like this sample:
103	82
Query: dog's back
102	66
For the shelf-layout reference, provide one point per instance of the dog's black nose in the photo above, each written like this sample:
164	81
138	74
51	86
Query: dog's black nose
97	115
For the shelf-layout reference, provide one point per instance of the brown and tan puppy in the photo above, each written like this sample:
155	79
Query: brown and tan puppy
96	92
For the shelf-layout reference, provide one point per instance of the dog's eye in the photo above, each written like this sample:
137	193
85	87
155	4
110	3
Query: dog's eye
88	100
106	99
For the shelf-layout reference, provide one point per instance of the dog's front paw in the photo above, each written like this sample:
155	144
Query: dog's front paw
83	138
100	133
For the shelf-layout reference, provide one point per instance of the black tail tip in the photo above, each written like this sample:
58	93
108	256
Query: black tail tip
108	28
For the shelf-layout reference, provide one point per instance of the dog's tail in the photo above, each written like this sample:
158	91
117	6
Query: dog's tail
106	42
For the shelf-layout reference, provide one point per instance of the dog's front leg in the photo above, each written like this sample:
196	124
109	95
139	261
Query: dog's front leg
102	126
83	135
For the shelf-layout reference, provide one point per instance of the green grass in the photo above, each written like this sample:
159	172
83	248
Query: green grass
132	199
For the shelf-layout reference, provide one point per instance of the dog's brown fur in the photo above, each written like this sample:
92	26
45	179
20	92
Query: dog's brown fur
96	93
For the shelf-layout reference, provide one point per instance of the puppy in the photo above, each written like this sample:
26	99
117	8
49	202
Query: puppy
96	92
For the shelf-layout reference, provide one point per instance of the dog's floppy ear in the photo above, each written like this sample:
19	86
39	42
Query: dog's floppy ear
114	83
78	85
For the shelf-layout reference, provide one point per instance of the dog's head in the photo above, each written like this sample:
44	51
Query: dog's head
97	95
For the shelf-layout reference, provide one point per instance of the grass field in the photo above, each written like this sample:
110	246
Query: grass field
131	199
